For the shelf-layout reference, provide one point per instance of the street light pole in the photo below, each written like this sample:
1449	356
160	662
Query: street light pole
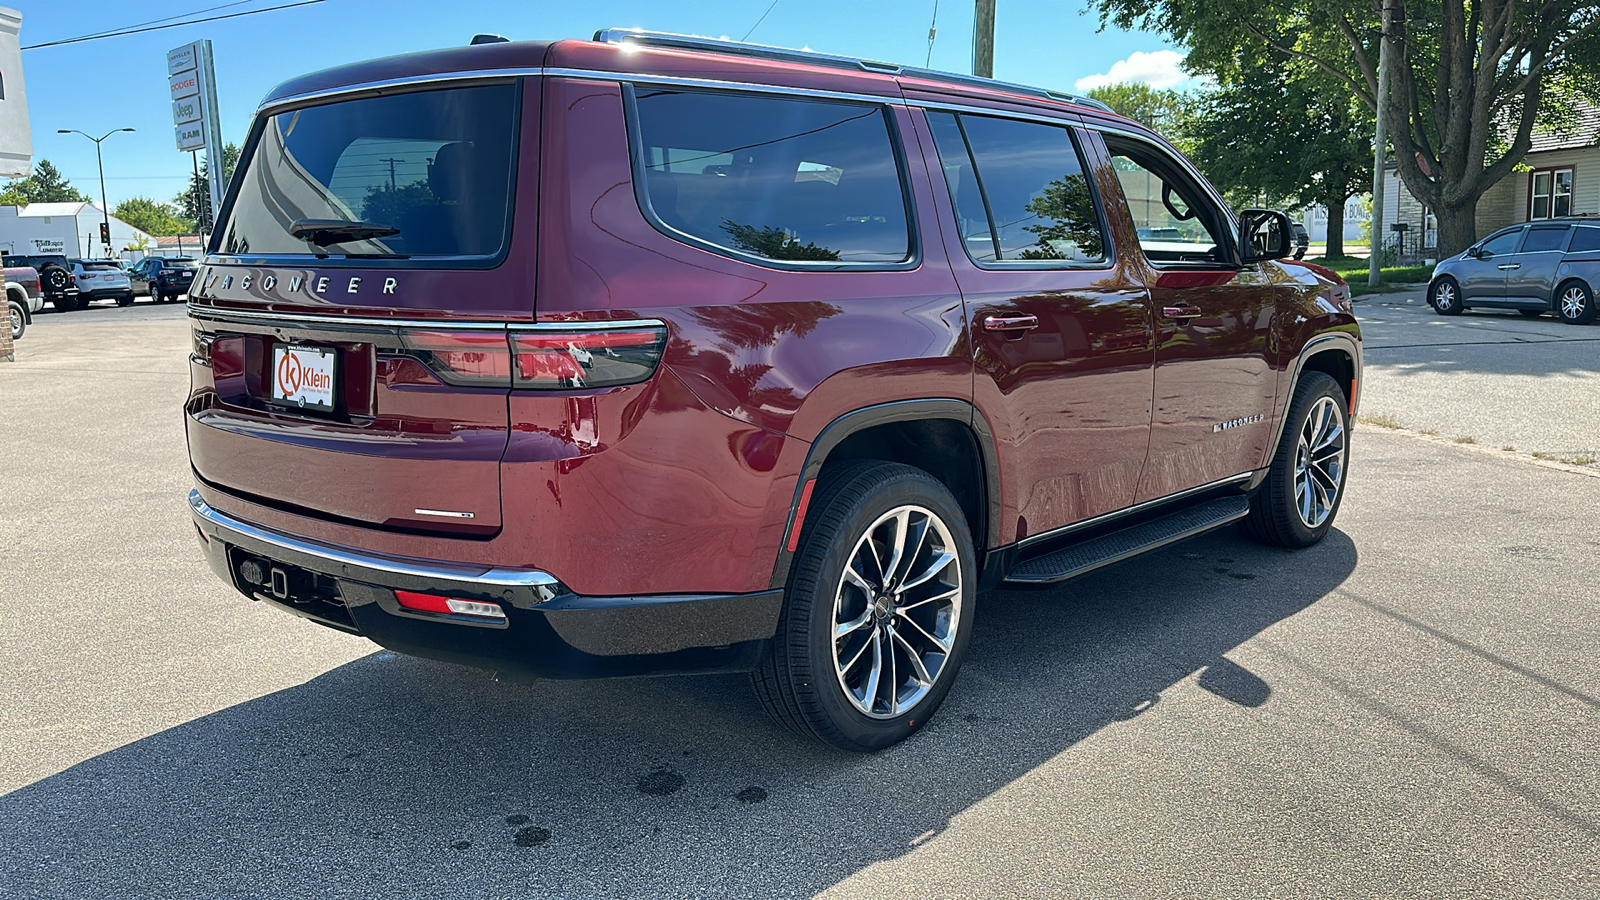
105	210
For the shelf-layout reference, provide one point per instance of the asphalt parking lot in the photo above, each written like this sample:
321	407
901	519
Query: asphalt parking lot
1410	709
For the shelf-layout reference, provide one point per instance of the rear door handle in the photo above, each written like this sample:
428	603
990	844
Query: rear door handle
1509	266
1015	326
1181	312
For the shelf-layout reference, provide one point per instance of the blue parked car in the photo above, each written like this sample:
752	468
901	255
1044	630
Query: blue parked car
1546	266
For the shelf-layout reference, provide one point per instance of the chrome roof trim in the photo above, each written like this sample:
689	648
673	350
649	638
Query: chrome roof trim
484	75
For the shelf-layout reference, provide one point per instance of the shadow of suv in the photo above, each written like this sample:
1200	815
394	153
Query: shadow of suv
656	354
1538	267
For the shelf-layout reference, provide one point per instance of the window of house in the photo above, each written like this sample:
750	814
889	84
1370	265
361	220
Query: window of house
798	181
1551	194
1020	189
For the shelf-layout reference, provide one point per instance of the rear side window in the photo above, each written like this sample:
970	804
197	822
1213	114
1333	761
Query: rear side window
793	181
1585	240
1540	239
1019	189
431	171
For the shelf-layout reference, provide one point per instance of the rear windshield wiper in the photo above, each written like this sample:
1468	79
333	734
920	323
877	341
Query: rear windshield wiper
322	232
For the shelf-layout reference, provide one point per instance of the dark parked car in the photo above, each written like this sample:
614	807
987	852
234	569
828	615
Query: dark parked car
1538	267
163	278
1302	240
56	280
676	355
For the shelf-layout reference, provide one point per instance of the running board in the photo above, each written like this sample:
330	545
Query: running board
1070	562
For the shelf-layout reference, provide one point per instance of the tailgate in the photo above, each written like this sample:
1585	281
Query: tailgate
409	442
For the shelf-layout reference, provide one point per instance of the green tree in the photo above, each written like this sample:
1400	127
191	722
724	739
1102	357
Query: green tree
194	203
1162	110
1468	78
1242	139
1065	203
152	216
389	206
774	243
45	185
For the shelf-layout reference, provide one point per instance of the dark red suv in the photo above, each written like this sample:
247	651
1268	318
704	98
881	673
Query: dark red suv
653	354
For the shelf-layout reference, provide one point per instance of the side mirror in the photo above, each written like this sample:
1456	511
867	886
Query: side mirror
1474	252
1264	234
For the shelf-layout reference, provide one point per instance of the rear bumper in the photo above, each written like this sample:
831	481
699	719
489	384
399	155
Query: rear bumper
548	631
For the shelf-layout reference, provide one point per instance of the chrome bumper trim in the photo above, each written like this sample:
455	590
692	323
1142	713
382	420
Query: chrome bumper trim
489	578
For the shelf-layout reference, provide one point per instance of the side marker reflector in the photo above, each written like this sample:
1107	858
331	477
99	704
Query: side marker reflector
800	515
449	605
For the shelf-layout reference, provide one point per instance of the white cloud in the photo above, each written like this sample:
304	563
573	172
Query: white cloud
1160	69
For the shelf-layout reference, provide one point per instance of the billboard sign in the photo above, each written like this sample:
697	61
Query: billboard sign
191	136
192	78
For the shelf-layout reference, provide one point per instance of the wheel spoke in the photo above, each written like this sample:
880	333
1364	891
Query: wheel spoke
945	595
860	651
1335	434
944	646
939	564
859	622
919	671
902	521
855	579
875	675
1321	477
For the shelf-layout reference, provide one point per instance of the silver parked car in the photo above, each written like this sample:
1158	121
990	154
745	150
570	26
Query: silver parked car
1546	266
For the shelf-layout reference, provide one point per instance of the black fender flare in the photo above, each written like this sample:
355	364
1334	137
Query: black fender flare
882	414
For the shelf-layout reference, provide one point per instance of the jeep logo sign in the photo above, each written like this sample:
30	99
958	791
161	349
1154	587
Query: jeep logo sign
184	111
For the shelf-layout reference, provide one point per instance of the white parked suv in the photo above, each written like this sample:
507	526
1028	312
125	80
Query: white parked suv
102	279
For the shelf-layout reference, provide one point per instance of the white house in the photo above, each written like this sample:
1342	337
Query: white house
1560	176
72	229
1315	219
16	140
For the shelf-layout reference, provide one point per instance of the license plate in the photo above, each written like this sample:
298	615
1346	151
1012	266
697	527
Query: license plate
303	376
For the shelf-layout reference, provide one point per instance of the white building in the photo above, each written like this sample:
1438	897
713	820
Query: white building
16	140
1315	219
72	229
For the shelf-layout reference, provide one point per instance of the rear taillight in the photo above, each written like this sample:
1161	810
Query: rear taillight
566	357
469	359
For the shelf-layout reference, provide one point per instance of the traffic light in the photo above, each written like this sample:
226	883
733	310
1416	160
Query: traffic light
105	233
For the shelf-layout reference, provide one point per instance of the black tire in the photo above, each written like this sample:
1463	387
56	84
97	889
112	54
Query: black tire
67	304
1277	516
1575	303
800	683
1444	296
125	299
55	278
19	319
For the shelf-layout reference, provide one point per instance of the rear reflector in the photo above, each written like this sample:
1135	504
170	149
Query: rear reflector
565	358
449	605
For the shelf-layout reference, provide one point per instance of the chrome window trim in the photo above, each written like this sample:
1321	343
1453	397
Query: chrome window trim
411	81
267	317
227	526
1113	516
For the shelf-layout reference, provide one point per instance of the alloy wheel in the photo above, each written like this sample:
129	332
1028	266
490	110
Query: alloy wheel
896	611
1444	296
1572	302
16	322
1319	463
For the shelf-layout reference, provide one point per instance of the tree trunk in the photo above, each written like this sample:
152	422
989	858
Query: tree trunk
1335	248
1458	226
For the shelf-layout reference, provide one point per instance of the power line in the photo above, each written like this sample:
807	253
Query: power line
141	30
759	21
120	28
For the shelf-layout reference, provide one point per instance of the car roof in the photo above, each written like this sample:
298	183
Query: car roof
683	57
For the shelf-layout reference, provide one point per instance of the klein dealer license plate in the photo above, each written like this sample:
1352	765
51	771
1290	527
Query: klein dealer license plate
303	376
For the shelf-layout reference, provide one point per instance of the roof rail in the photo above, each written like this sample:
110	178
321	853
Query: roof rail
808	57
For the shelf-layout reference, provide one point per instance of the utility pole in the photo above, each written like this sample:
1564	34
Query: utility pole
1380	137
391	161
200	199
983	39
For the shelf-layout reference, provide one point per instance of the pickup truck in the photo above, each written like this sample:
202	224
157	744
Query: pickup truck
23	298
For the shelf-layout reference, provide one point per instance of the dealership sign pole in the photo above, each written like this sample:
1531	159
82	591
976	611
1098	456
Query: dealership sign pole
193	80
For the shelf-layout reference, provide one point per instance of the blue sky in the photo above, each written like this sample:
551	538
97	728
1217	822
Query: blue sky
101	85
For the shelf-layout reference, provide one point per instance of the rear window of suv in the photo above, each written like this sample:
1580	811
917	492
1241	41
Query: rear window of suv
792	181
435	165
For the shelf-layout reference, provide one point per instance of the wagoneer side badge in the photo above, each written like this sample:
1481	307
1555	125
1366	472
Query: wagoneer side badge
1235	423
316	286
